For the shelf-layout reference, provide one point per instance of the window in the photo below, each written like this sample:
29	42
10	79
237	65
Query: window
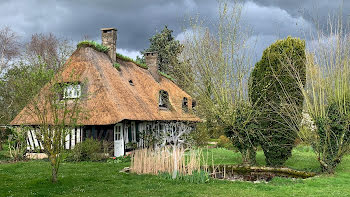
194	103
185	104
163	99
72	91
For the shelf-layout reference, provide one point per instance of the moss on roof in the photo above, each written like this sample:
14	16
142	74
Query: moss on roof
117	66
166	76
94	45
128	59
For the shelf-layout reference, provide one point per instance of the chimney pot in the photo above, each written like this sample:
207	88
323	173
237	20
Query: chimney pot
109	39
152	63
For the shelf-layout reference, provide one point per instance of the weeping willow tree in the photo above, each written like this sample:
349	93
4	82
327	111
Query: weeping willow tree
215	67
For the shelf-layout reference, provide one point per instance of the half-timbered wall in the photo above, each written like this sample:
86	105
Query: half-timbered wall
33	143
133	131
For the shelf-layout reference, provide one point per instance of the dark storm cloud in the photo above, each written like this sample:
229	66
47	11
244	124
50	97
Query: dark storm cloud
310	9
138	20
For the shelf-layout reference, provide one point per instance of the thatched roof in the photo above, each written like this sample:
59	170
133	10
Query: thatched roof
112	98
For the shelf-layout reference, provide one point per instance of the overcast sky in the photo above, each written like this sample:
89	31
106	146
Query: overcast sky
138	20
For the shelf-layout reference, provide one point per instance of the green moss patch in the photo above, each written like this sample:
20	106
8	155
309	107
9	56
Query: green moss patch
94	45
117	66
128	59
166	76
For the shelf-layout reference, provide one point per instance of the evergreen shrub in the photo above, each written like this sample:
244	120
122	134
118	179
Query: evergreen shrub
274	89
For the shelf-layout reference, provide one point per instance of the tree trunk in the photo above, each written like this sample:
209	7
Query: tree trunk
54	165
54	175
175	163
248	156
328	166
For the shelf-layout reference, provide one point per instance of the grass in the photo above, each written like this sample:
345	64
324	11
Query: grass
104	179
94	45
128	59
166	76
117	66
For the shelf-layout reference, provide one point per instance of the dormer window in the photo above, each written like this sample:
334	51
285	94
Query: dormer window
194	104
72	91
163	99
185	104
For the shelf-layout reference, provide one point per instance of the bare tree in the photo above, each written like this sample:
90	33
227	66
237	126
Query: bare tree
219	60
9	47
49	50
327	94
177	135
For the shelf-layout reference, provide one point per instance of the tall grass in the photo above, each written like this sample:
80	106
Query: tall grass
150	161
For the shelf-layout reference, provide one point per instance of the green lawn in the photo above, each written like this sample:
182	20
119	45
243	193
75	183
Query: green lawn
103	179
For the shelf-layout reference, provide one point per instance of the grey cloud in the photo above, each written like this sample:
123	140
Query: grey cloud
310	9
138	20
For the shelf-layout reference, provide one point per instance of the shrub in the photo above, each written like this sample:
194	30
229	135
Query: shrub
224	142
108	147
243	134
200	135
274	89
94	45
88	150
334	132
327	95
4	133
17	143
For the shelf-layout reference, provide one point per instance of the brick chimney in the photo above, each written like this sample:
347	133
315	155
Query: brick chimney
152	63
109	39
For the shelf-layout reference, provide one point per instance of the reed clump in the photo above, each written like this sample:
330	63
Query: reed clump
165	160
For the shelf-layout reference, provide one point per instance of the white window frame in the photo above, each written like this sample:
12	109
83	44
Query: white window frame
72	91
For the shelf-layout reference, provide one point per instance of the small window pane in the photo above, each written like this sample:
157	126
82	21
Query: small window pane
163	99
72	91
185	104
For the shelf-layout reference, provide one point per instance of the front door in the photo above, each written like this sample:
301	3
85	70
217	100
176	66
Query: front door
118	140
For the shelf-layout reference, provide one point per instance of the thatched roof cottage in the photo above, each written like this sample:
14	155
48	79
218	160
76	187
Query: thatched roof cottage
123	102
